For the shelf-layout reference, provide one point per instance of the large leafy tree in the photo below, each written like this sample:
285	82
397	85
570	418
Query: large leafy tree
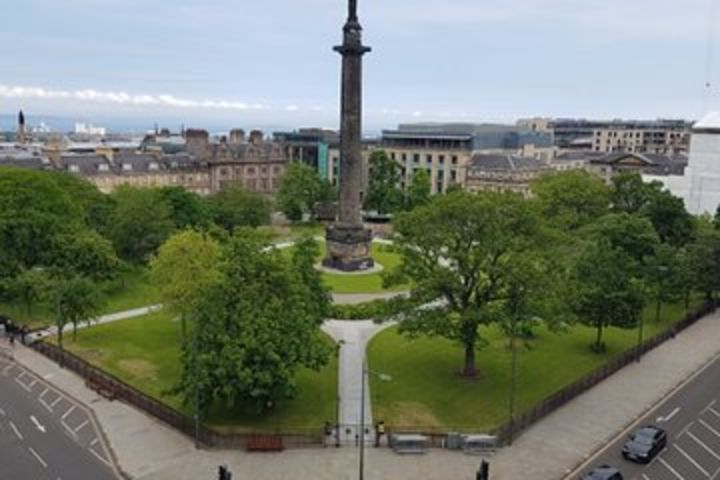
96	206
187	209
76	300
632	234
33	211
236	207
667	213
300	188
666	277
28	287
185	267
418	192
85	253
255	329
571	199
140	223
704	260
384	194
605	291
459	248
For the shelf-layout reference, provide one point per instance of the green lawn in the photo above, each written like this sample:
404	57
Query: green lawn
144	352
286	233
370	283
426	391
131	290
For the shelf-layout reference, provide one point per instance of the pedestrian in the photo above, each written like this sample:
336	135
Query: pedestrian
379	432
12	339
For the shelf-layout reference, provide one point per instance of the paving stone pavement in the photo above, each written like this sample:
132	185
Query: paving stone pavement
148	450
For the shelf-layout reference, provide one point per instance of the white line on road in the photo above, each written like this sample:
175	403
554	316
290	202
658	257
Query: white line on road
714	412
672	470
25	387
2	412
645	477
706	425
81	426
669	416
692	460
94	442
99	457
710	405
15	429
37	423
70	410
38	457
43	393
705	447
685	429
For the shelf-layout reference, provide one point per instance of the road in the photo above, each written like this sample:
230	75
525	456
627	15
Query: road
691	418
44	434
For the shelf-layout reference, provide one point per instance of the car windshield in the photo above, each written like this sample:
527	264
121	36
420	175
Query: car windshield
643	439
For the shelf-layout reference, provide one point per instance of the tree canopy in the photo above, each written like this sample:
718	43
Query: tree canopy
461	248
253	330
300	188
384	194
236	207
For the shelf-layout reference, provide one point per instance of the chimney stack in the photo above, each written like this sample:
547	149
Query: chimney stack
196	142
256	137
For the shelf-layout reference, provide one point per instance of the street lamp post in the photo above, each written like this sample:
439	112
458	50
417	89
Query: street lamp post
384	377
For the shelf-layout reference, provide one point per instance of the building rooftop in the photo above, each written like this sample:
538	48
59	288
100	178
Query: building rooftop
504	162
710	121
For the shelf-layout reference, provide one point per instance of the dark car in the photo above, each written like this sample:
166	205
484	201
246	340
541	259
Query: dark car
603	472
644	444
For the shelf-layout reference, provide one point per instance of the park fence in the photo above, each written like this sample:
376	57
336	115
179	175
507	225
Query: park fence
117	389
512	428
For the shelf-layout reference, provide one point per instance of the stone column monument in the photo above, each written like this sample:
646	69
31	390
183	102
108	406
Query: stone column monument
348	242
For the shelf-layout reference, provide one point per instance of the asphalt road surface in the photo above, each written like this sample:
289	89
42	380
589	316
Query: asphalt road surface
691	418
44	434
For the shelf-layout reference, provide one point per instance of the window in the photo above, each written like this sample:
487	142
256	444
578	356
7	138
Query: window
441	159
454	160
250	170
416	158
428	158
392	155
404	157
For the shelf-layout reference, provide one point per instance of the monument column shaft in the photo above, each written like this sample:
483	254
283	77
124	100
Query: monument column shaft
351	171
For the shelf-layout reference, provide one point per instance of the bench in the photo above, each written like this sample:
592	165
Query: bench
264	443
102	387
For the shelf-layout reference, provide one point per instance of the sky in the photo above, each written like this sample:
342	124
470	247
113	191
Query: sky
244	63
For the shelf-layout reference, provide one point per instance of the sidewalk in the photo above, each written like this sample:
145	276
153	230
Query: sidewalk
148	450
109	318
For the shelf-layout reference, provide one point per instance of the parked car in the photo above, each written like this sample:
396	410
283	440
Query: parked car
644	444
603	472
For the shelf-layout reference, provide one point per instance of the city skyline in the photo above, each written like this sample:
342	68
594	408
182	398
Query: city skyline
199	61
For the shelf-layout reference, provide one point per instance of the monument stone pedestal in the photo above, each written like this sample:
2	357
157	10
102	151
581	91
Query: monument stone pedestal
348	248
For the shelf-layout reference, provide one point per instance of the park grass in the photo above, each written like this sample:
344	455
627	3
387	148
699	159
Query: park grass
131	290
426	390
362	283
287	233
145	353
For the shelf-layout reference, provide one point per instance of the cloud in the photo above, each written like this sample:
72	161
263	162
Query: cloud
124	98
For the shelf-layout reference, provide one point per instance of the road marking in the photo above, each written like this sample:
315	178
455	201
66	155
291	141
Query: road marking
37	424
43	393
714	412
645	477
710	405
685	429
669	416
2	412
81	426
38	457
707	449
57	400
25	387
15	429
99	457
692	460
94	442
70	410
706	425
672	470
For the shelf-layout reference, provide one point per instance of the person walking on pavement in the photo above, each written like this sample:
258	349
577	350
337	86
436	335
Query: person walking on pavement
379	432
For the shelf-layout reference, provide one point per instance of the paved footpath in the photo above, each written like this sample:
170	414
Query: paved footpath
146	449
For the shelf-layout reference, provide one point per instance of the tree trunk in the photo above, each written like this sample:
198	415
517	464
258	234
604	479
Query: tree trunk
28	307
60	337
469	370
687	301
74	331
598	339
657	311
